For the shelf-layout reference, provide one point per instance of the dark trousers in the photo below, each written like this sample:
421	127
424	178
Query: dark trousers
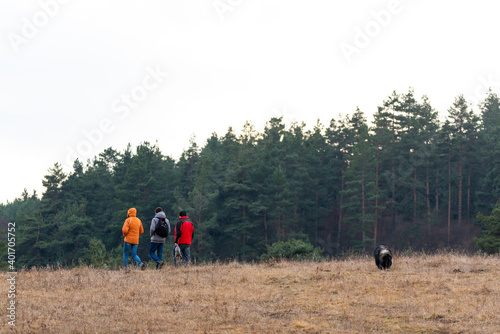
186	254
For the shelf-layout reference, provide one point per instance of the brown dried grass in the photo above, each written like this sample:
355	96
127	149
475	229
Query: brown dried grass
447	293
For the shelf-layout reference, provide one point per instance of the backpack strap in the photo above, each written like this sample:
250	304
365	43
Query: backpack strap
156	224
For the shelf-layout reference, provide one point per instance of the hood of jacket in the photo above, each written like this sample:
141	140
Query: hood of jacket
131	212
154	237
160	214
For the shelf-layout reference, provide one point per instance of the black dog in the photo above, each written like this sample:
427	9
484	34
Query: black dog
383	257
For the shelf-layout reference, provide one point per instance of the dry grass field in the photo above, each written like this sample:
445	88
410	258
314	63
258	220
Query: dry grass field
448	293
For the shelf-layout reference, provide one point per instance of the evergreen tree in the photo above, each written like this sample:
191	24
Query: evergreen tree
447	154
202	200
51	200
333	167
489	152
269	156
360	191
315	192
237	192
463	127
490	241
418	128
25	212
387	130
339	147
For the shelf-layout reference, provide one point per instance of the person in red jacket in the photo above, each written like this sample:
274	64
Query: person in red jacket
184	232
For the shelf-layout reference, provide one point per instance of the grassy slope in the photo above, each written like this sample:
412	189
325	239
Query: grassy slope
446	293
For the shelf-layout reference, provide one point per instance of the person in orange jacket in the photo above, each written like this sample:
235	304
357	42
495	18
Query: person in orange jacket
132	229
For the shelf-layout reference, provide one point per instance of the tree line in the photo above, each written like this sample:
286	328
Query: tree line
408	179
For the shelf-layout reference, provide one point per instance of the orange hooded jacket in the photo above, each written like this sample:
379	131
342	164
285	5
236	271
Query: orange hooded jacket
132	227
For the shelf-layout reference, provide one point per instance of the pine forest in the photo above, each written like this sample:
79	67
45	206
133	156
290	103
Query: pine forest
412	178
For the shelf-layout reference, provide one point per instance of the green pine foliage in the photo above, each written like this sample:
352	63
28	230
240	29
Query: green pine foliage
96	254
490	241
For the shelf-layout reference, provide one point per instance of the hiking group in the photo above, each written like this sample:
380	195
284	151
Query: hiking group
159	231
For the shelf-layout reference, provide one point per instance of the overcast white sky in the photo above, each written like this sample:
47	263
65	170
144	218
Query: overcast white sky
79	76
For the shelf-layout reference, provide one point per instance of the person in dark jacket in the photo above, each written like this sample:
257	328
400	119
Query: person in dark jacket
156	245
184	233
